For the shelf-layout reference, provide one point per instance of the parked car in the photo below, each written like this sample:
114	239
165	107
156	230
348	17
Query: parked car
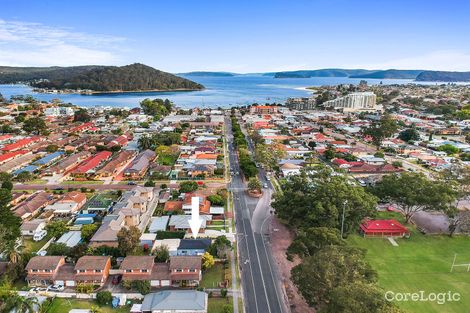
56	288
131	183
38	236
41	253
116	279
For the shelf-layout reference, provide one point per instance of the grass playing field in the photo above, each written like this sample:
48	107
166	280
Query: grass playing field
421	263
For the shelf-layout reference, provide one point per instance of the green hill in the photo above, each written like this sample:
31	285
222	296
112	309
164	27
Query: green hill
390	74
441	76
134	77
329	72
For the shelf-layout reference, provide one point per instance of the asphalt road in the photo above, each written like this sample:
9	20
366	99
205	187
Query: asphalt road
259	279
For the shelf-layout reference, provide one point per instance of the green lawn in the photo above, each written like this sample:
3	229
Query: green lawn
216	305
36	182
33	246
420	263
213	276
61	305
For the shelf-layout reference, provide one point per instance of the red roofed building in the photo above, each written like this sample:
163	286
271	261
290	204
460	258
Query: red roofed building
82	128
20	144
12	155
383	228
92	163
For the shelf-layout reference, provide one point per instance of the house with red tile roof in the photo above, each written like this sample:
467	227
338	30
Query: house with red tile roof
21	144
89	166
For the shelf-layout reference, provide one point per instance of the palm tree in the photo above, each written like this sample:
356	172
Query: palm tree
20	304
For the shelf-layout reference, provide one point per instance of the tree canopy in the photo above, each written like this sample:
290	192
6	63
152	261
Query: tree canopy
307	201
413	192
379	130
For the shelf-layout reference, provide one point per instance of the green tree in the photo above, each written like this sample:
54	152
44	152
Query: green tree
330	153
7	185
149	183
88	231
413	192
24	177
162	254
52	148
309	241
128	239
220	247
81	115
58	249
254	184
56	228
104	297
358	297
409	134
307	201
188	186
142	286
35	125
449	149
20	304
379	130
216	200
332	266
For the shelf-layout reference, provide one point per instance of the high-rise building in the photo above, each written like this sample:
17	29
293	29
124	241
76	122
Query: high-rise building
355	102
301	103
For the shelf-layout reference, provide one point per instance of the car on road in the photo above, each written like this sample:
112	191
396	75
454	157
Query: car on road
58	188
131	183
267	178
56	288
265	185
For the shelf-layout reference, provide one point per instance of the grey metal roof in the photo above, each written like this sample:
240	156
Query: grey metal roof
175	300
158	223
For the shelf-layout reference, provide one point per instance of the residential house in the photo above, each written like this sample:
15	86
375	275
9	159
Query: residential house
139	165
193	246
144	268
175	301
185	270
91	269
41	270
29	228
32	205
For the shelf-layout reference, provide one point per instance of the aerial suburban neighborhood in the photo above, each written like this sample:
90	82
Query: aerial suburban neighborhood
234	156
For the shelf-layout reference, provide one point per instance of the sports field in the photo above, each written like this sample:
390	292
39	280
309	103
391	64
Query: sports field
421	263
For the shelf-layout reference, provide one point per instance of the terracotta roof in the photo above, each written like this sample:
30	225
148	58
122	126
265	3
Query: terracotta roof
137	262
91	262
65	272
171	206
44	262
180	262
161	271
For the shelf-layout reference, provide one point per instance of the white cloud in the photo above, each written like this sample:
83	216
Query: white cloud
444	60
34	44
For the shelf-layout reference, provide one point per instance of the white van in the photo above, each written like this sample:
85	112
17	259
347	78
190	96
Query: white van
40	235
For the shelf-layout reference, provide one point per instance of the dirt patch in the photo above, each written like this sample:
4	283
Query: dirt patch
281	238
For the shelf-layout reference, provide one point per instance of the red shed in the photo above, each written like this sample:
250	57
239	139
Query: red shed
383	228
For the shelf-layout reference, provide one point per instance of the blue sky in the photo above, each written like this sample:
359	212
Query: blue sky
239	36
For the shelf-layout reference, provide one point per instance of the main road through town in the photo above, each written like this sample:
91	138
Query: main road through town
261	284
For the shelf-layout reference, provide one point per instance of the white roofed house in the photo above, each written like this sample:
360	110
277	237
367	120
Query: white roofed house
29	228
175	301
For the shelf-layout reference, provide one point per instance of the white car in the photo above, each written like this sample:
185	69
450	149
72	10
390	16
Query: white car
57	288
38	236
41	253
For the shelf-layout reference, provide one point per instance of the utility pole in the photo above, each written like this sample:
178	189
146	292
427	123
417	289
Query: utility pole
342	219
